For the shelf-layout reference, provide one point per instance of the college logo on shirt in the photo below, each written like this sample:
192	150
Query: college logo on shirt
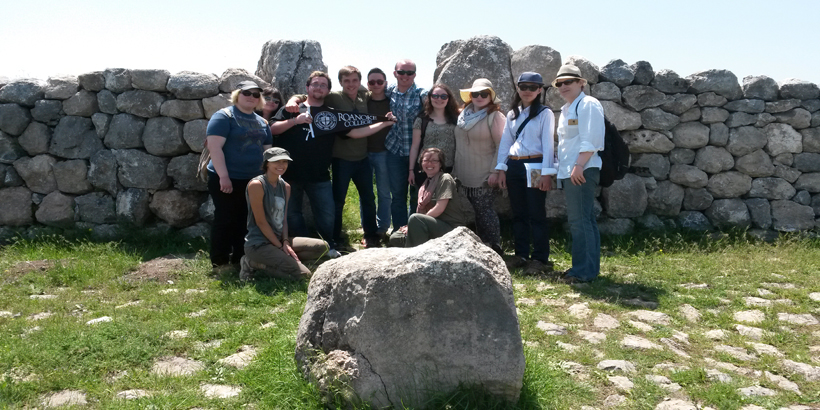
324	121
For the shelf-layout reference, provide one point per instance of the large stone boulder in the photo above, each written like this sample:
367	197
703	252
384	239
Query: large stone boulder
125	131
17	207
757	164
177	208
14	119
646	141
799	89
626	198
37	172
35	140
589	70
96	207
188	85
669	82
184	110
163	137
462	61
688	176
10	149
639	97
47	111
230	79
762	87
658	119
618	72
83	103
666	199
606	91
809	182
150	79
745	140
655	165
729	213
714	159
760	212
56	210
731	184
117	80
644	74
782	138
61	87
93	81
102	172
722	82
107	102
140	170
679	103
690	135
183	171
789	216
132	206
623	119
141	103
193	132
540	59
771	188
697	199
286	64
23	91
75	137
72	176
393	326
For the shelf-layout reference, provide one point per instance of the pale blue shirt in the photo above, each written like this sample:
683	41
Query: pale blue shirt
537	138
588	130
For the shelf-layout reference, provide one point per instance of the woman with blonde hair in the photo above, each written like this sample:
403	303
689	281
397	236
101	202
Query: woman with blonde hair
478	134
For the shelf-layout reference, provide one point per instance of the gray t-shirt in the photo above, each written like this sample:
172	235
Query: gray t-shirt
274	202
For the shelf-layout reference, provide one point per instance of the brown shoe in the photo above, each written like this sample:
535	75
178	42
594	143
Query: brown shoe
516	262
371	243
535	267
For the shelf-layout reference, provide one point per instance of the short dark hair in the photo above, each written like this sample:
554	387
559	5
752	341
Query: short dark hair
377	70
347	70
436	151
316	74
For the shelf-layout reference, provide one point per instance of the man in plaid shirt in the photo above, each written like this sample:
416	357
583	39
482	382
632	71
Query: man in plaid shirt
405	103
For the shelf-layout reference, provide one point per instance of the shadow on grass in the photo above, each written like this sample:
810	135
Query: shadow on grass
633	295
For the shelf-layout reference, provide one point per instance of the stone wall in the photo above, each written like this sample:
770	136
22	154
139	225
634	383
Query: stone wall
119	147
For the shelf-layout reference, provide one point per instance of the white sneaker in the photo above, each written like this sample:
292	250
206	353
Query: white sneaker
245	271
333	254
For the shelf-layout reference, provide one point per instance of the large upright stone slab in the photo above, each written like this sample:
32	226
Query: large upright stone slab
478	57
399	324
286	64
540	59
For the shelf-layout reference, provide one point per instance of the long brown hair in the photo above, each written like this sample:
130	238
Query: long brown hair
450	110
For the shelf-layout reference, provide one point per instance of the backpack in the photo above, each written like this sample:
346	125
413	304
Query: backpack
615	156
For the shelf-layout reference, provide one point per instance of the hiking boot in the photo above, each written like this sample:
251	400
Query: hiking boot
535	267
516	262
371	243
245	272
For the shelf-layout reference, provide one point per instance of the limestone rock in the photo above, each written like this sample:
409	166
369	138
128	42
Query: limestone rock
213	104
657	165
93	81
762	87
710	99
713	115
65	398
691	135
756	391
96	207
643	73
694	220
722	82
618	72
658	119
640	97
74	137
35	141
666	199
17	206
745	140
605	91
178	208
162	136
688	176
809	182
117	80
714	160
771	188
218	391
176	366
240	359
645	141
193	132
757	164
132	206
682	156
102	172
551	328
679	103
72	177
782	138
46	111
56	210
626	197
184	110
107	102
37	172
604	321
639	343
809	372
83	104
760	211
478	57
697	199
811	139
447	276
145	104
140	170
669	82
14	119
230	79
729	184
23	91
789	216
124	132
150	79
183	171
188	85
622	118
286	64
589	70
61	88
799	89
617	365
729	213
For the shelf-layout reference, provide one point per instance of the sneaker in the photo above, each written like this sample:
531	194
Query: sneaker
516	262
535	267
245	271
333	254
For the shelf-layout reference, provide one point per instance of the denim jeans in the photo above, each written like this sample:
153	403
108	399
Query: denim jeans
321	203
586	241
529	213
230	221
361	174
397	171
378	163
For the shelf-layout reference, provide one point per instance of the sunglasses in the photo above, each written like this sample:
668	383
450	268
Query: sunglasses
320	86
272	99
248	93
567	82
375	82
482	94
405	72
439	96
525	87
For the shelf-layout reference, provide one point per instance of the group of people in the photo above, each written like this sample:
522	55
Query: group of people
448	160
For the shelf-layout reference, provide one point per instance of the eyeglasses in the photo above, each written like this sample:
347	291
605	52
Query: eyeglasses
567	82
432	161
439	96
525	87
271	99
320	86
375	82
248	93
405	72
482	94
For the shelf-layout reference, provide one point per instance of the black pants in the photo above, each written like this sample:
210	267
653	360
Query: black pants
530	224
230	221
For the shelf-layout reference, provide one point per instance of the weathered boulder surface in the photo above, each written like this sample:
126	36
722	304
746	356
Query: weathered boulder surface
188	85
16	205
56	210
150	79
140	170
24	92
478	57
286	64
540	59
394	325
37	172
626	198
75	137
178	208
789	216
721	82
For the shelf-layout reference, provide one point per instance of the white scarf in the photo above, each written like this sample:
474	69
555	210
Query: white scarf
469	118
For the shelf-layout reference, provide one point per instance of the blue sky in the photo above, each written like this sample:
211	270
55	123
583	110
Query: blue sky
46	38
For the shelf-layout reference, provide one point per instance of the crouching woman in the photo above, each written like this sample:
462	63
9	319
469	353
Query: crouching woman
440	208
268	247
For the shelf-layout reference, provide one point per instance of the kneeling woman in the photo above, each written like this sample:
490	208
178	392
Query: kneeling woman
267	245
439	208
